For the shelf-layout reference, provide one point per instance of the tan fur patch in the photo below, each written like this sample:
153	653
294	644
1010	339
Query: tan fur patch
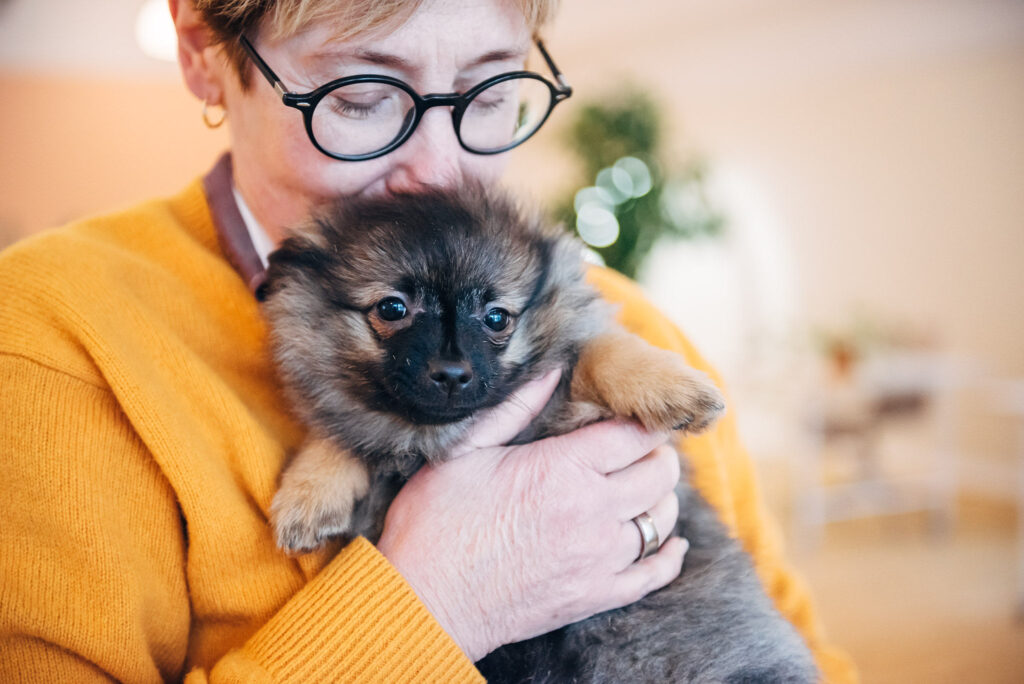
318	492
653	386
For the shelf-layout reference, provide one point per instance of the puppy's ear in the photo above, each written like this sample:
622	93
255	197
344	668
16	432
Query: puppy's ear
306	248
302	252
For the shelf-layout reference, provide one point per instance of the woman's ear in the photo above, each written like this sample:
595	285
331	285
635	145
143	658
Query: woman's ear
202	62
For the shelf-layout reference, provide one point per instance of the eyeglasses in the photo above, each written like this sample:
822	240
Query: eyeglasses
366	116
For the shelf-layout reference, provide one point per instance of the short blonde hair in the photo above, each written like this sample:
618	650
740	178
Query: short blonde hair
229	19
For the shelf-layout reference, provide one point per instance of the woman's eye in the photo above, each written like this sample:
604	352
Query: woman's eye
355	102
489	104
496	319
391	309
498	97
354	109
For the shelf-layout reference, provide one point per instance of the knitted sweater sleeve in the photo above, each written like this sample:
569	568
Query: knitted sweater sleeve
93	565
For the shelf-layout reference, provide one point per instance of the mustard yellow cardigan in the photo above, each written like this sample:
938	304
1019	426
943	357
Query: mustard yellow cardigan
141	435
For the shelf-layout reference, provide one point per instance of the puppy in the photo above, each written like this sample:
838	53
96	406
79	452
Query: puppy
395	322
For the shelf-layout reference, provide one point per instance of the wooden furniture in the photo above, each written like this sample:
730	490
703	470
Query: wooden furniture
880	439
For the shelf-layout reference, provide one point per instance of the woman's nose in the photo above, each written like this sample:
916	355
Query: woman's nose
430	158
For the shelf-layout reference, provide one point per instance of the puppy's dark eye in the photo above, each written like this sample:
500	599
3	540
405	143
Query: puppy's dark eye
391	309
496	319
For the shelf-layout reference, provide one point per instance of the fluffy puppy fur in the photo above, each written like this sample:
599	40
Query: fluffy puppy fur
395	322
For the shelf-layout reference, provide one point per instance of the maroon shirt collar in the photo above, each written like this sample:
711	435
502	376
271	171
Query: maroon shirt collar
232	233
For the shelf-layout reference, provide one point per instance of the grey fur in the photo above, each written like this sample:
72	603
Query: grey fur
712	624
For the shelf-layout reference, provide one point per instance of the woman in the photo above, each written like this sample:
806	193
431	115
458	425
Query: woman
144	431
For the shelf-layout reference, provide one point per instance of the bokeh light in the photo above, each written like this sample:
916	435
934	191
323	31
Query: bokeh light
154	31
596	225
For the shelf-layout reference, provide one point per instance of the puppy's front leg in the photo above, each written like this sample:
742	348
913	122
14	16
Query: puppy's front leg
318	492
624	373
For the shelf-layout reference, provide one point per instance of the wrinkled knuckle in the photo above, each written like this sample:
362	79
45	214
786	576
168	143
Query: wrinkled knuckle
574	452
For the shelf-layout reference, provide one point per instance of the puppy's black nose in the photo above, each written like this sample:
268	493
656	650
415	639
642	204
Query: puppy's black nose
453	375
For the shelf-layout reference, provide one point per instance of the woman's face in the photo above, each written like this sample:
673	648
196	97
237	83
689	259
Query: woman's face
446	46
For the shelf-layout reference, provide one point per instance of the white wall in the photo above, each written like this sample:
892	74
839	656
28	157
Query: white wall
871	152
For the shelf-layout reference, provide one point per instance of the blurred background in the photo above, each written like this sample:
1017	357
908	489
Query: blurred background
827	196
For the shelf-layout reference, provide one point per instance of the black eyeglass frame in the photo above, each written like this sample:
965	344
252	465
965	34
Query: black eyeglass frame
307	102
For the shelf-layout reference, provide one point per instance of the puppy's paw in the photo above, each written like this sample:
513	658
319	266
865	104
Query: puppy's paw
677	397
318	493
654	386
302	525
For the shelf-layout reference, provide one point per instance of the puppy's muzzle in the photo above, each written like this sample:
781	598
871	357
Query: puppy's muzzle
450	376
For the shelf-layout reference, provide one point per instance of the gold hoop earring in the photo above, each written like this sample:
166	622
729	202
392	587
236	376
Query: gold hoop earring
206	116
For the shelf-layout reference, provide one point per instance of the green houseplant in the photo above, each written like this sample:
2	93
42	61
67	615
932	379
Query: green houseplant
633	199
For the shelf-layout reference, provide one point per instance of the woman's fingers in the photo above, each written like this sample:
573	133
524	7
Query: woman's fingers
574	544
608	446
664	514
500	424
639	486
643	577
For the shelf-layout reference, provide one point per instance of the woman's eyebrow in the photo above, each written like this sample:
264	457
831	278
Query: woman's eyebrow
397	62
503	55
385	59
412	67
324	61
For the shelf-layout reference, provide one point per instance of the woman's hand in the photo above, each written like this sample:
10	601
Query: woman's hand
506	543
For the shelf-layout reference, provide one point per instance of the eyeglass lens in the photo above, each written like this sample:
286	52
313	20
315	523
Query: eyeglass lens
505	113
362	118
